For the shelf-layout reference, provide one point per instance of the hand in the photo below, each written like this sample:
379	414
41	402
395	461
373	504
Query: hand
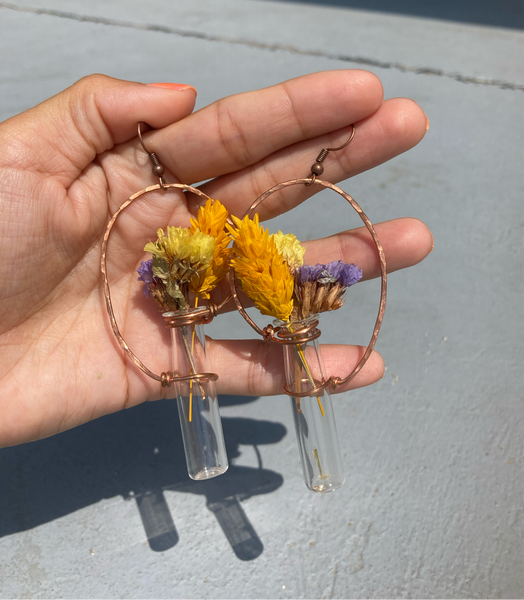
69	163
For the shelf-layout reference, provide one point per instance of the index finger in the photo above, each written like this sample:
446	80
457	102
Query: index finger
239	131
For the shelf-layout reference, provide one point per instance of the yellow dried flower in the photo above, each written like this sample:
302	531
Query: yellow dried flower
290	248
211	219
178	258
182	246
261	269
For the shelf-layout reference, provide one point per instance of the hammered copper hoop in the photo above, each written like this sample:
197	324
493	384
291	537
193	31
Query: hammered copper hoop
166	378
282	336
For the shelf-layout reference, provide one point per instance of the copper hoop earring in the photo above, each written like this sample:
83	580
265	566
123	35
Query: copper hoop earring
282	337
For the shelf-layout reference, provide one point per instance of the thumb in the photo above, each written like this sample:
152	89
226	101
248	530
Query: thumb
65	133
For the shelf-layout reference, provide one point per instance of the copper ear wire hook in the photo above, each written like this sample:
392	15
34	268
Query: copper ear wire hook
318	167
158	169
353	129
140	136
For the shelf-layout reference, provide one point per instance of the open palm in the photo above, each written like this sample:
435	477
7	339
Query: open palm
69	163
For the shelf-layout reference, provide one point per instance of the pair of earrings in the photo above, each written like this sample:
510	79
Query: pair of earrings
187	263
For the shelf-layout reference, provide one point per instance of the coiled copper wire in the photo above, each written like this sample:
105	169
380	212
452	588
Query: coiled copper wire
299	336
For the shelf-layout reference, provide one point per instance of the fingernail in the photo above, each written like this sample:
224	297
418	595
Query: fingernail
172	86
427	123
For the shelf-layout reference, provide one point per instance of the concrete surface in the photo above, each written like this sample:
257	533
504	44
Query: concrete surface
433	502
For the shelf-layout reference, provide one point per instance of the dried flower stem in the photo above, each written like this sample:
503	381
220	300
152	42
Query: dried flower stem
191	382
193	370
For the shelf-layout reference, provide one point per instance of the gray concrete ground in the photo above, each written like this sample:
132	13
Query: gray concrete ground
433	502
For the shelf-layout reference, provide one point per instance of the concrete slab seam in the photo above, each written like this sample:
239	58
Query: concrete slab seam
267	46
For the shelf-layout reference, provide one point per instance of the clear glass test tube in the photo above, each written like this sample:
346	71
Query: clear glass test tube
198	409
312	414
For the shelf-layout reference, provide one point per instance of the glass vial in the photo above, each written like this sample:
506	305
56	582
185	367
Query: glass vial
313	414
200	422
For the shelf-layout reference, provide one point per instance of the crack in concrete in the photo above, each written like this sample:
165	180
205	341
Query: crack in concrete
266	46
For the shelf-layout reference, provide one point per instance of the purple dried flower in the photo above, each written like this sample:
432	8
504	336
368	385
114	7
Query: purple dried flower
334	272
346	275
309	272
145	270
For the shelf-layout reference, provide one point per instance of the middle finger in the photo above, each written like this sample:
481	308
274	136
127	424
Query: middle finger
398	125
